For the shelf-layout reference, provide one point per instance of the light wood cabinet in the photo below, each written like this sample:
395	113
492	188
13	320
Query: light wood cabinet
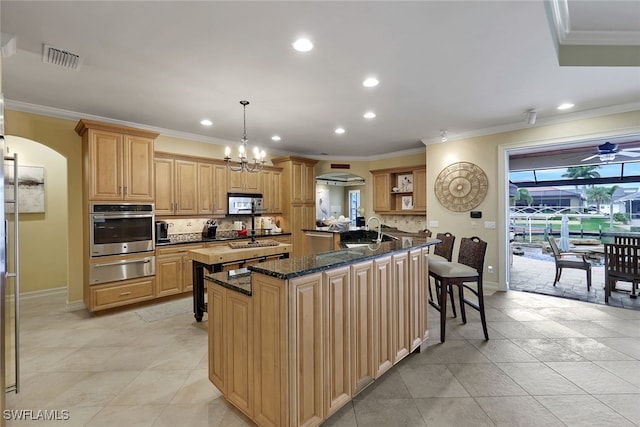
410	200
112	295
118	162
243	182
205	189
400	297
219	194
383	316
317	339
298	196
420	189
337	325
272	191
174	273
307	336
186	186
362	326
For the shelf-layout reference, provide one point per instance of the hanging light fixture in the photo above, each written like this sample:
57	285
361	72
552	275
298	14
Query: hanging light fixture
243	163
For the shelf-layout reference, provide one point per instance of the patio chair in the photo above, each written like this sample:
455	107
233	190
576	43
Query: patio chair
468	269
442	252
621	262
569	260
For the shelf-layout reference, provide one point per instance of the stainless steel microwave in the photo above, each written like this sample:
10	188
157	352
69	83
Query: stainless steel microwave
244	204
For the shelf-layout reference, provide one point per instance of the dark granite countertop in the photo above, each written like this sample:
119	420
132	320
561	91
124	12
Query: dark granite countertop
220	237
240	282
301	266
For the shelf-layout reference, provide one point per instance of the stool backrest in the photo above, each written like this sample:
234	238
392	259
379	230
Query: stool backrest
472	252
445	248
626	240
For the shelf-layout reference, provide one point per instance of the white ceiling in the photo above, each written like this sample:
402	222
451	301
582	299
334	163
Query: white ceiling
471	68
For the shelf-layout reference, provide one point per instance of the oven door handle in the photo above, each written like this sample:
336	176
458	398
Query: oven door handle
126	261
103	217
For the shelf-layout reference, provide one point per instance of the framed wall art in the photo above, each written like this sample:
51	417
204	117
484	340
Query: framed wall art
30	189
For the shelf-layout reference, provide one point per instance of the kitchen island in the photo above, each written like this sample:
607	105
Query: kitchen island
291	341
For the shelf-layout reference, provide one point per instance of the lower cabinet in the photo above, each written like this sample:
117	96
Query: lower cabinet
125	292
173	269
297	350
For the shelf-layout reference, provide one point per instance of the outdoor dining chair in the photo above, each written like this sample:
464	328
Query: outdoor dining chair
569	260
621	262
468	269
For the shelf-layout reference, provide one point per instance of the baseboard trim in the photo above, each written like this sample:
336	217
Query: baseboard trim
43	293
76	306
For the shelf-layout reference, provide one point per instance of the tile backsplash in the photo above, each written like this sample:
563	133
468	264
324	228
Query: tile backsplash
196	225
409	223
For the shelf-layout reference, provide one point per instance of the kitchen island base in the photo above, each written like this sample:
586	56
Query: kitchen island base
297	349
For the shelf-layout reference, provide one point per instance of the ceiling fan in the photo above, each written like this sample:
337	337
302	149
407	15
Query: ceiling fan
607	152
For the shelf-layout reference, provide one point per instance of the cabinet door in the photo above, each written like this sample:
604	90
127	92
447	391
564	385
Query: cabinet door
243	182
271	314
266	188
309	183
205	188
381	192
186	187
239	336
307	336
138	169
420	190
219	190
400	297
164	177
424	294
276	193
383	316
217	342
169	274
416	298
302	216
105	165
297	182
187	273
337	325
252	182
362	326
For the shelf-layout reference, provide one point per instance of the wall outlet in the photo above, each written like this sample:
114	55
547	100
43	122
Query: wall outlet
434	224
490	269
490	225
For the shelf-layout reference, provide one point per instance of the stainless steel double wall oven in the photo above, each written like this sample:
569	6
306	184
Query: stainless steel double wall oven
121	229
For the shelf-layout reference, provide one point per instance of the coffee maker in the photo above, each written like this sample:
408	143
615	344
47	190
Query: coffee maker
162	232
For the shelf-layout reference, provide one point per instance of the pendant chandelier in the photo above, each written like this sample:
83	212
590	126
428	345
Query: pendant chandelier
243	163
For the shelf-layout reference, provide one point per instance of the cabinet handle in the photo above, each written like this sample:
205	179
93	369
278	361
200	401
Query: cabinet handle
122	294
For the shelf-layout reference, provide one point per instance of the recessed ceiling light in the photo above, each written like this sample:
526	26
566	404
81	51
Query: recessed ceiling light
340	131
369	115
302	45
276	138
565	106
206	122
370	82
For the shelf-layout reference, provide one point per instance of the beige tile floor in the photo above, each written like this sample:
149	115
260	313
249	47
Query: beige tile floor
550	361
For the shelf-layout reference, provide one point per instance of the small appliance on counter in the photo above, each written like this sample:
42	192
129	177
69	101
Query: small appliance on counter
210	228
162	232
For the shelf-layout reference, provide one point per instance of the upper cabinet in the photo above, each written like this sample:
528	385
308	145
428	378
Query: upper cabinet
189	186
271	190
400	190
243	182
118	162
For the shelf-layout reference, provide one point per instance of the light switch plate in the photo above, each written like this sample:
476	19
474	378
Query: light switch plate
434	224
490	225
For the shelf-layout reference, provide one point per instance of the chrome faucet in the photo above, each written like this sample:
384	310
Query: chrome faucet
379	239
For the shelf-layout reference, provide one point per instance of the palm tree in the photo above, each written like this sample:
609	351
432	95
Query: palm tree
598	195
582	172
610	191
523	194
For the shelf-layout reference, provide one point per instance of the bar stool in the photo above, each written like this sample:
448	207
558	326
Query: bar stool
442	252
469	268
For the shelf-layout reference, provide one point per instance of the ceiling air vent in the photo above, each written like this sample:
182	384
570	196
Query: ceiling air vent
60	57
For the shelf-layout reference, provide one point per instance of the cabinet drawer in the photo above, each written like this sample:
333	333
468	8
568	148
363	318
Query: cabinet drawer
116	295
